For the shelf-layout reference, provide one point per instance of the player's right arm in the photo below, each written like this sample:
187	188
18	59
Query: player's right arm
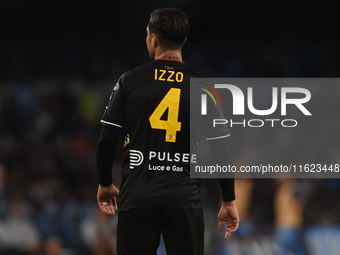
107	192
105	153
112	120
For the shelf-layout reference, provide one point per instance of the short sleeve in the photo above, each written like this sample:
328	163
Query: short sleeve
114	112
215	112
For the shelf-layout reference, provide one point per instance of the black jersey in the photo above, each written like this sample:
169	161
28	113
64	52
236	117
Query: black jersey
152	105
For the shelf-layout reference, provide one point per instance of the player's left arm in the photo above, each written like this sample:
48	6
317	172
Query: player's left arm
218	142
228	213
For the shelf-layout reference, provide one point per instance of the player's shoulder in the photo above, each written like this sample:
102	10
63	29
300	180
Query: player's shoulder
130	74
138	69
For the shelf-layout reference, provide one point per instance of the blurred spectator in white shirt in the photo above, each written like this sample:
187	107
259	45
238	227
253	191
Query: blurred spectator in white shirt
98	233
17	233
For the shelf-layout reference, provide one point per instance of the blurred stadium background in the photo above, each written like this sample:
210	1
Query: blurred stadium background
59	61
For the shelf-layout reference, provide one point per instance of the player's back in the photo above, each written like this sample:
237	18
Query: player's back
156	125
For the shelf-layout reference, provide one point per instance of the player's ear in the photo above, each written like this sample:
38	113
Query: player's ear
155	41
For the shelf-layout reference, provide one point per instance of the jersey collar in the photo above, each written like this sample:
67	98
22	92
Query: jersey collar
170	60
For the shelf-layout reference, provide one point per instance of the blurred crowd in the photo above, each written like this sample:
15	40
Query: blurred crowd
48	175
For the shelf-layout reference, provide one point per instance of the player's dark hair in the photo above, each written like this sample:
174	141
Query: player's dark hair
170	25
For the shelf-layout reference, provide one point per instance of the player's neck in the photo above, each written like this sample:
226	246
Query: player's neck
169	54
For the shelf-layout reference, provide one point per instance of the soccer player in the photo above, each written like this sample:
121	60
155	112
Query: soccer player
157	196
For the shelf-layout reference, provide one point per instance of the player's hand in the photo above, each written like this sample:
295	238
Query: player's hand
228	214
106	197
